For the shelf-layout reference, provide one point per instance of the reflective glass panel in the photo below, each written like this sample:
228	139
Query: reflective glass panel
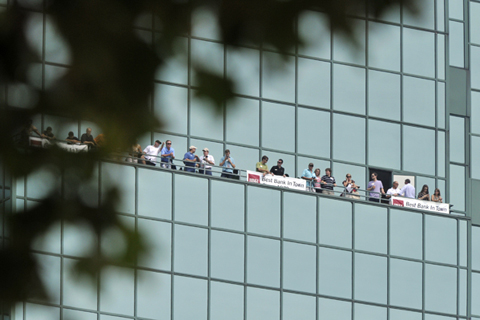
335	223
474	22
462	292
190	190
78	239
405	234
263	304
441	156
263	211
329	309
384	95
278	78
348	138
344	50
419	101
227	206
313	26
170	107
207	119
246	132
158	236
207	55
226	301
440	289
475	292
411	136
56	48
174	68
455	9
441	239
314	83
366	312
396	314
299	267
49	272
351	80
53	74
380	135
227	256
437	317
357	173
440	15
117	290
190	255
475	67
263	261
39	312
425	16
310	123
78	315
441	104
245	158
335	272
370	228
122	178
190	298
457	139
457	187
299	217
243	65
370	278
406	283
154	193
43	181
456	42
384	46
441	56
205	24
475	248
34	31
475	154
153	295
296	306
419	52
278	126
50	240
475	112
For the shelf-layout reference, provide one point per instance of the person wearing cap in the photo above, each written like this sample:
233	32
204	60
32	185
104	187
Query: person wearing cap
167	154
206	162
151	153
190	159
309	176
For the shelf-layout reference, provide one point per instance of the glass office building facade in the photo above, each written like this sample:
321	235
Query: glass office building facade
406	101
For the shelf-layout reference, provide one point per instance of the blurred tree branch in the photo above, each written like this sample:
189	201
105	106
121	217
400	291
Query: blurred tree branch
110	81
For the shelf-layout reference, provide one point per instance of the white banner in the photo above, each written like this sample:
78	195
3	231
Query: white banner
277	181
45	143
420	204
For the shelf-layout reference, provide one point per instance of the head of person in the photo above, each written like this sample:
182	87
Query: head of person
279	163
407	181
205	151
264	159
425	188
227	152
374	176
157	143
49	129
89	131
348	176
29	122
70	134
328	172
168	143
317	172
310	166
192	149
436	192
395	185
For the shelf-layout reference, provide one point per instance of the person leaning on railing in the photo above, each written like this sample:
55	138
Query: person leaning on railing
328	182
228	165
206	162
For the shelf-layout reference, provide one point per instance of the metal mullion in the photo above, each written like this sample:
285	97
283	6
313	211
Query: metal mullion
282	198
423	266
245	243
353	261
209	244
317	261
135	269
172	255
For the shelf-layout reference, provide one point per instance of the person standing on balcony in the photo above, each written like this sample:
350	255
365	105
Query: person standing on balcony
393	191
151	153
262	166
228	165
167	154
206	162
376	186
308	175
48	134
408	190
328	182
190	159
424	195
87	138
278	170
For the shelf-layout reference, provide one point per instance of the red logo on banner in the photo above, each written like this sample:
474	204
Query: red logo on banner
397	202
253	178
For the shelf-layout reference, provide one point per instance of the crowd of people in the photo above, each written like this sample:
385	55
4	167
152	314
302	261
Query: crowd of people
203	164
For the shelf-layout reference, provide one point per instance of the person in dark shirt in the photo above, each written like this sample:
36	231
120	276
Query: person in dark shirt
87	138
48	134
278	170
71	138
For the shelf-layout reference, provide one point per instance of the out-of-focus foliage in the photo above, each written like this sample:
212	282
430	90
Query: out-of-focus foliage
110	81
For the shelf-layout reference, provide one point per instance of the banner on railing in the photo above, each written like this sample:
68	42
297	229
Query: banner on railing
420	204
277	181
45	143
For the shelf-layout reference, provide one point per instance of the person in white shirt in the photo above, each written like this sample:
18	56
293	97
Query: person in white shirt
408	190
393	191
151	153
206	162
